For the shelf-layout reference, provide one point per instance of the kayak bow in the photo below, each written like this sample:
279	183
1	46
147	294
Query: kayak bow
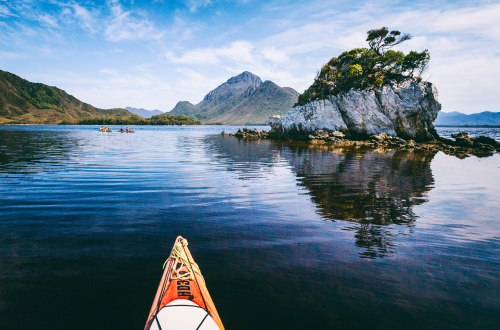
182	300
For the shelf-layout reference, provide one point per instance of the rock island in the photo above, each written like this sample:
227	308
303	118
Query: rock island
372	97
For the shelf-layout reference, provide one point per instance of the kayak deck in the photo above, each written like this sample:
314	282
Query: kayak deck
182	300
183	314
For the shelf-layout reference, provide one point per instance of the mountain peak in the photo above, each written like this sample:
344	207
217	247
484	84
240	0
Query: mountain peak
234	85
243	99
246	77
143	112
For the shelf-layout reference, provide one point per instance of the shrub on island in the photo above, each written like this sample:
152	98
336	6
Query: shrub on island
365	68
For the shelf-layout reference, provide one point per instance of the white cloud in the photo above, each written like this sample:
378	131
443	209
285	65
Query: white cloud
9	55
282	42
108	71
462	43
4	11
85	16
238	51
197	83
478	77
194	57
482	20
112	90
48	20
193	5
274	55
124	26
267	62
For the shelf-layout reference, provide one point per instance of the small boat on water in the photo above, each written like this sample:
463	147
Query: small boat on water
126	130
182	301
105	129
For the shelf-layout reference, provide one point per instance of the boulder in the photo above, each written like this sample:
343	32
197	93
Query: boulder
486	140
251	134
406	109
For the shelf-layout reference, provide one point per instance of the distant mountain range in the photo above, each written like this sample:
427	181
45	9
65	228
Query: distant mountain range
461	119
22	101
143	112
243	99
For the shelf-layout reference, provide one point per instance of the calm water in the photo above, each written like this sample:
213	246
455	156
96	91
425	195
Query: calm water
286	237
473	131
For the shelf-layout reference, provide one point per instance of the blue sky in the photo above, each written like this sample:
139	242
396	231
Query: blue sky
152	54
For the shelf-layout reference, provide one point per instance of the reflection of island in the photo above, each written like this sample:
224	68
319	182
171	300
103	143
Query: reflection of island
374	191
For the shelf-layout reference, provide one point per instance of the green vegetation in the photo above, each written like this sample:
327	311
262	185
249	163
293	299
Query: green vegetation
22	101
39	95
163	119
364	68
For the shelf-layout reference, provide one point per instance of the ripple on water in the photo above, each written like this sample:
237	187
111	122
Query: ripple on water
364	239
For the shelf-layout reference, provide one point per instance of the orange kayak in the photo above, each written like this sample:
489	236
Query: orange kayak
182	300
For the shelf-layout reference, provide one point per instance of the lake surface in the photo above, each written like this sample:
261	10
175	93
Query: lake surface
286	237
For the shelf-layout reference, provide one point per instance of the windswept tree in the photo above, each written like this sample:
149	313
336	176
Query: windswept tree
381	39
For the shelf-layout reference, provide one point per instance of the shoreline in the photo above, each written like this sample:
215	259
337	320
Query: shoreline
461	147
470	126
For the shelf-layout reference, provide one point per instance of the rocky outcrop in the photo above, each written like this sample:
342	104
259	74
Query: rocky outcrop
407	110
246	133
462	139
462	146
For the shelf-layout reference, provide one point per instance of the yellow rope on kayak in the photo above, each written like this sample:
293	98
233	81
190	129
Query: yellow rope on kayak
180	259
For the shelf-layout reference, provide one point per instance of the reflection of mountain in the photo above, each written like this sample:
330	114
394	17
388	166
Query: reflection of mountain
375	192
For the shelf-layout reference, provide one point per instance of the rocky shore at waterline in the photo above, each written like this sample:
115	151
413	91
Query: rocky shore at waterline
461	146
395	116
246	133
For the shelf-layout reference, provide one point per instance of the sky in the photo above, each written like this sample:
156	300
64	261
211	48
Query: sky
152	54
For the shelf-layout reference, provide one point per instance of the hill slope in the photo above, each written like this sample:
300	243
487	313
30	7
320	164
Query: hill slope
243	99
22	101
143	112
461	119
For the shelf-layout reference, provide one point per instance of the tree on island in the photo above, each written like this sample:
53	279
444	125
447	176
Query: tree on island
364	68
379	39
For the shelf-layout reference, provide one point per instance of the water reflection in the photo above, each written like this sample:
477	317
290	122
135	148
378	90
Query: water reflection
375	192
248	159
26	152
